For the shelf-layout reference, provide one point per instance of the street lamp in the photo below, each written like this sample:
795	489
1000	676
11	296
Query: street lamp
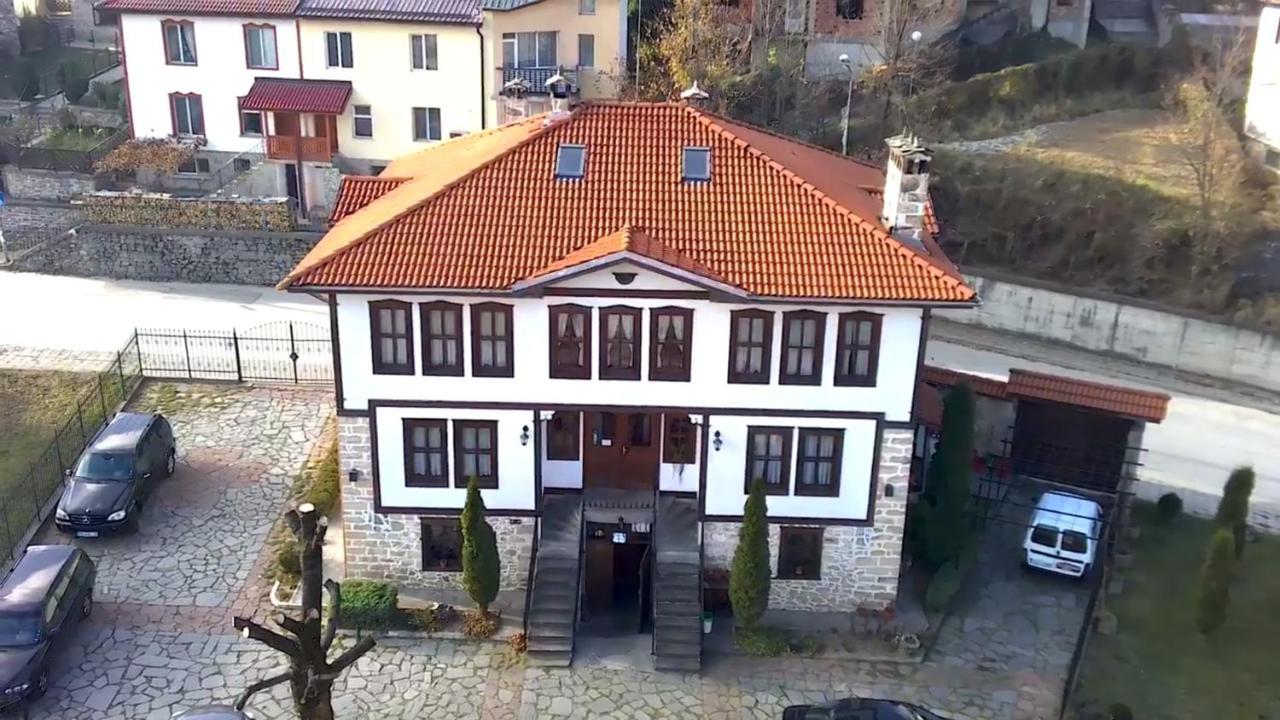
848	100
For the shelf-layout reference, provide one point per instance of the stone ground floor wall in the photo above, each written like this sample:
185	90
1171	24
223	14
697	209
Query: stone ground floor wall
30	184
388	547
860	564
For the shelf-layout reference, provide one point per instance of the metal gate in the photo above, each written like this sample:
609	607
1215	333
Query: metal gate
272	352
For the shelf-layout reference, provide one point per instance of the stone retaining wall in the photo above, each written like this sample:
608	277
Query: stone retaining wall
31	184
20	216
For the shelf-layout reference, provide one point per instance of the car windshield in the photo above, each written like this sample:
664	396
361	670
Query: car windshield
1075	542
19	630
105	466
1046	536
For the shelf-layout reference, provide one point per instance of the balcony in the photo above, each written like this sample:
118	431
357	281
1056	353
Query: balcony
296	147
536	77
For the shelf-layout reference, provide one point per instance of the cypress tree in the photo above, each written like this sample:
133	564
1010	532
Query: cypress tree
749	576
940	520
1213	594
1233	508
481	567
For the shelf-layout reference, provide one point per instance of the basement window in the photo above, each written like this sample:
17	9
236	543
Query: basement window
696	164
571	162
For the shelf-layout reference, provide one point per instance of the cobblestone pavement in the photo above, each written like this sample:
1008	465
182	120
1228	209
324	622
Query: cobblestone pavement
29	358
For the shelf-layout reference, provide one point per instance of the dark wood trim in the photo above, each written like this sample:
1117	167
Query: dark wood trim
275	46
576	431
499	405
349	412
789	520
704	442
336	345
537	471
566	372
837	462
425	481
788	458
925	316
820	321
678	375
374	466
751	378
164	35
422	538
505	310
679	493
668	451
900	424
799	530
843	342
636	342
379	367
874	484
561	491
459	428
639	294
451	512
424	317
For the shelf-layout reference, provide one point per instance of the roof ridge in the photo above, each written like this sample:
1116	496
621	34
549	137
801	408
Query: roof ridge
709	119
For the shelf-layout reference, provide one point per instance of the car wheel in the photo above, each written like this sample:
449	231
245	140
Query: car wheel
41	685
86	605
171	463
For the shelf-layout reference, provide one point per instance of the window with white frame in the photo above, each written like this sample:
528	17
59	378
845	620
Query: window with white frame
260	47
362	121
586	50
426	124
586	7
188	114
179	42
529	49
338	50
422	49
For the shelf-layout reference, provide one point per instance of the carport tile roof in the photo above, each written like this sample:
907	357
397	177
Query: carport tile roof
1113	399
982	385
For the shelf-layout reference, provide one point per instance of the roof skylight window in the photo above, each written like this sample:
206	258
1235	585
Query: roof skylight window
571	162
696	165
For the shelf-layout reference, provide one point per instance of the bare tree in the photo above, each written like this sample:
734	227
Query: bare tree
908	35
698	40
311	673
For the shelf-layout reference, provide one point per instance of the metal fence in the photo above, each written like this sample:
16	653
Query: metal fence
299	353
47	158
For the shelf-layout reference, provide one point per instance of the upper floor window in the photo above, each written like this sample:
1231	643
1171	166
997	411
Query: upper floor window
475	445
857	349
677	439
696	164
802	332
422	52
491	341
670	343
570	341
529	49
586	50
362	121
818	462
563	436
260	47
769	458
571	161
187	111
750	346
426	457
441	338
849	9
338	50
426	124
619	343
179	42
586	7
391	329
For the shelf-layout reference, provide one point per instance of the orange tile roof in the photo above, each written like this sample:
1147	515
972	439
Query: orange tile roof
357	191
1112	399
627	240
949	378
484	211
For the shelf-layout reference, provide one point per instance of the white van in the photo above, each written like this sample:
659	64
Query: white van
1063	536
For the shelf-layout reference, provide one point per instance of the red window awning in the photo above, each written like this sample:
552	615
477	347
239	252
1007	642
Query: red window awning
326	97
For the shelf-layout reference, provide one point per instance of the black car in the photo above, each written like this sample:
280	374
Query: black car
115	475
50	587
860	709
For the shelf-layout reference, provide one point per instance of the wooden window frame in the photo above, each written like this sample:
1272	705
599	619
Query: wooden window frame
819	344
164	33
672	453
459	431
655	344
173	113
843	343
787	458
564	372
248	57
456	525
751	378
783	533
637	342
574	452
509	369
379	367
424	316
836	460
428	480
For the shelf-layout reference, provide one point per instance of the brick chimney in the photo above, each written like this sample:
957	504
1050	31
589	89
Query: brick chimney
906	188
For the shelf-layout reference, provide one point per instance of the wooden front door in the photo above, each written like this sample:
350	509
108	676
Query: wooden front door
620	450
287	123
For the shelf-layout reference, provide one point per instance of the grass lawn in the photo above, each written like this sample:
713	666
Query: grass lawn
1157	663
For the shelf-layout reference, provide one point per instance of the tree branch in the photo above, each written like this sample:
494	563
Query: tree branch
335	614
350	656
270	638
296	627
259	686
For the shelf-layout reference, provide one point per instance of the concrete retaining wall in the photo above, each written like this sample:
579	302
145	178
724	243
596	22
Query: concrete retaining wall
1124	326
30	184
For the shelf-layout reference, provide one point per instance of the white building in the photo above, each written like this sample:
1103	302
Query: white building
616	318
1262	111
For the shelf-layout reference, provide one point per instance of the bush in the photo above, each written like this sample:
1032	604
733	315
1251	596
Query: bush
431	619
949	578
368	603
761	641
749	575
288	560
1168	507
1233	508
519	643
479	625
481	566
1119	711
324	483
1213	595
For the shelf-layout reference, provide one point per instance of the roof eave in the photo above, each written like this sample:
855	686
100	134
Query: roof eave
531	285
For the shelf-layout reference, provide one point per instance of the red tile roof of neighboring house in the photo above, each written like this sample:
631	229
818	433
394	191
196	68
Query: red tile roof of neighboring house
435	11
1112	399
485	211
248	8
946	377
328	97
357	191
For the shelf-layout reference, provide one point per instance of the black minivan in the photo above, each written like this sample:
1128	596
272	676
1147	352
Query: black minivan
115	475
49	588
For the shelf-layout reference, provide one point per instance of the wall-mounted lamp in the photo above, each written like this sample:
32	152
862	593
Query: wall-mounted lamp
716	441
524	435
353	475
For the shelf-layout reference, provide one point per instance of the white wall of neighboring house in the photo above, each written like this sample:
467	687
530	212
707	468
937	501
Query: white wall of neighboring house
1262	113
220	75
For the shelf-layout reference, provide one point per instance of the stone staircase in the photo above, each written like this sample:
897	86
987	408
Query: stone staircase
677	586
553	604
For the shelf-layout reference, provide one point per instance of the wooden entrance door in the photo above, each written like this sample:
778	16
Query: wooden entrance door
620	450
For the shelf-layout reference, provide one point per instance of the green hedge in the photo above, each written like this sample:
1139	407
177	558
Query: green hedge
368	604
323	486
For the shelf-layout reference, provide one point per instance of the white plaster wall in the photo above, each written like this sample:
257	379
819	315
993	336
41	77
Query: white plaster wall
726	469
515	489
709	386
220	75
1262	112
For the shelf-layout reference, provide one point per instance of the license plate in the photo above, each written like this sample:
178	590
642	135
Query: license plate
1068	566
87	533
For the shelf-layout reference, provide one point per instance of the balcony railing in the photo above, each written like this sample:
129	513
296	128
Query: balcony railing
536	77
295	147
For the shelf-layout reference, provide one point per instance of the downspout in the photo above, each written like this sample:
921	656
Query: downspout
484	97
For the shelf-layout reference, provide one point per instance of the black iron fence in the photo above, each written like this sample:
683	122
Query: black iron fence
52	158
274	352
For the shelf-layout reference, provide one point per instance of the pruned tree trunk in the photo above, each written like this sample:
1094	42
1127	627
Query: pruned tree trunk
310	674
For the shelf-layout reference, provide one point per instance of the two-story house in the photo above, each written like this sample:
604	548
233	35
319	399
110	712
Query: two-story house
1262	108
616	318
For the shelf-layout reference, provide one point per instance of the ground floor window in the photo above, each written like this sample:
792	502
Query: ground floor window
441	545
800	553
